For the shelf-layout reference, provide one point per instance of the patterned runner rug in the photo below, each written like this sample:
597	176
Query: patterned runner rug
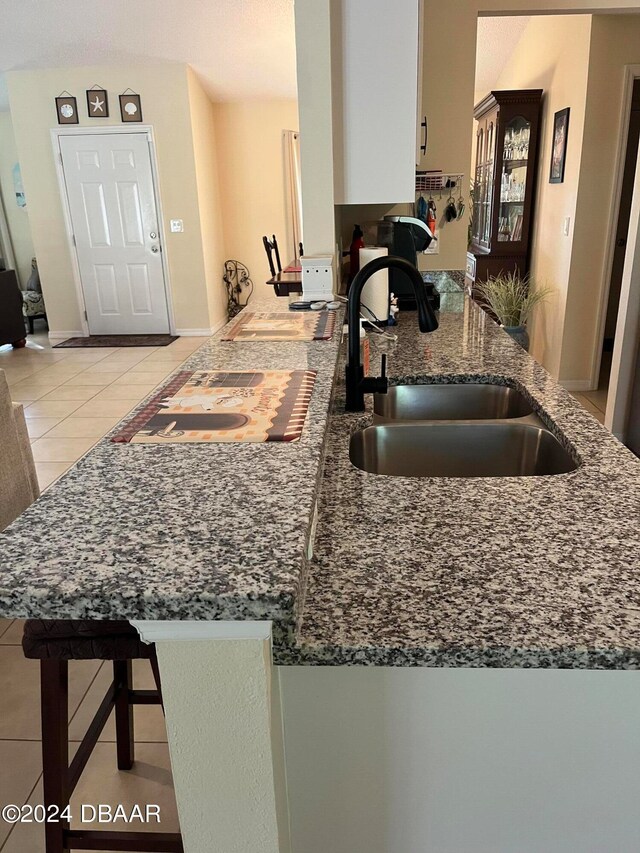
224	406
283	326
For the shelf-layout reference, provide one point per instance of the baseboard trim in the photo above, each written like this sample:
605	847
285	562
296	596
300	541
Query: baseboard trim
58	337
576	384
199	333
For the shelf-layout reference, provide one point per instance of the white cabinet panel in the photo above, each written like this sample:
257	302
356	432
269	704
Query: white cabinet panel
375	95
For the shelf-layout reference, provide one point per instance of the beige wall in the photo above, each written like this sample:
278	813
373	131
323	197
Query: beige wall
615	42
165	106
205	144
449	60
553	54
17	217
251	165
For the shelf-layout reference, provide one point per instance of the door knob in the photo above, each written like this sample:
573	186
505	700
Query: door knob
153	235
155	249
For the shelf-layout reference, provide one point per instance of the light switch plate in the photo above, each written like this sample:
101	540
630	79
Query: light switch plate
177	226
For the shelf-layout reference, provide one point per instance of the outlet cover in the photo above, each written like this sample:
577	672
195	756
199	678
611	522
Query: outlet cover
177	226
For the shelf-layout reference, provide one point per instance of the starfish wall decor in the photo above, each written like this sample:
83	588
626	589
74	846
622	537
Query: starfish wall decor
97	103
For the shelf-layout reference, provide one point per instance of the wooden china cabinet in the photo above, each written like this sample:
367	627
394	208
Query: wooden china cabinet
504	182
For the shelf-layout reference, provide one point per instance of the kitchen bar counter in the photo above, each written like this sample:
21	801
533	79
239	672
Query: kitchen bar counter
535	571
182	531
486	572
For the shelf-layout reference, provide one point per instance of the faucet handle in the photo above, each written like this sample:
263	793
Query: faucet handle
383	366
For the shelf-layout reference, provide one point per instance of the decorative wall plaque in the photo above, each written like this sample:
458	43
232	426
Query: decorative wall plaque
67	109
130	106
97	102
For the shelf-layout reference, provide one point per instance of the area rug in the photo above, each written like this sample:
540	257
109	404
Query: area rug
119	341
224	406
282	326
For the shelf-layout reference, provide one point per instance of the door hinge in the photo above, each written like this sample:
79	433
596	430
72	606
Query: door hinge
73	239
60	158
85	316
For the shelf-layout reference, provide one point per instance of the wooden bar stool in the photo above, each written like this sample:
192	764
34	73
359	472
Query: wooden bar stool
54	643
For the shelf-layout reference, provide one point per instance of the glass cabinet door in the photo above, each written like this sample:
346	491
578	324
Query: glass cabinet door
483	186
513	181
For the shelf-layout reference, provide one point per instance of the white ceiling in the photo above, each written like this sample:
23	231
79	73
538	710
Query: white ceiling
497	39
239	48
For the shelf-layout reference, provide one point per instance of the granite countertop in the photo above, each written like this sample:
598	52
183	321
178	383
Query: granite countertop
183	531
484	572
531	571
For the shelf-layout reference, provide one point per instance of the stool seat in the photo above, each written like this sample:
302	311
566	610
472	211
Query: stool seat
83	639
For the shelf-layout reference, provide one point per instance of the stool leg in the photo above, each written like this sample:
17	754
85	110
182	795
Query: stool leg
54	691
123	679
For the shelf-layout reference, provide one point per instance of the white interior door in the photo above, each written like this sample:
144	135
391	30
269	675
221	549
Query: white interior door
115	224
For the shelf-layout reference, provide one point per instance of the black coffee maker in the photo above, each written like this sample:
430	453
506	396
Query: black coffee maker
403	236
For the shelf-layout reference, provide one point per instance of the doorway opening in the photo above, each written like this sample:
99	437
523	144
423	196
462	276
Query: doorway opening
620	243
112	212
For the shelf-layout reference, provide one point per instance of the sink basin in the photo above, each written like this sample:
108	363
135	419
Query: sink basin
449	403
459	450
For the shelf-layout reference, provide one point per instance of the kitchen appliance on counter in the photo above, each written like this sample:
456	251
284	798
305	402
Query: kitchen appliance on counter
404	237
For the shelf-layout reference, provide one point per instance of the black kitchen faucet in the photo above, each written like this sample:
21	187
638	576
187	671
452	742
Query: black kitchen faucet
357	384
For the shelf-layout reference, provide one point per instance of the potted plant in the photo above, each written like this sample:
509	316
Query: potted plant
511	298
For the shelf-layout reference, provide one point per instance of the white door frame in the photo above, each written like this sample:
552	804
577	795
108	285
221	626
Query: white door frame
625	348
147	131
631	73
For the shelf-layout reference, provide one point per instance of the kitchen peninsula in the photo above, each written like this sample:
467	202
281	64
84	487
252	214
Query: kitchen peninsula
521	571
436	592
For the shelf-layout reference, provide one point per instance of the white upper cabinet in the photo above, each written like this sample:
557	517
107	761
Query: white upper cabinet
375	92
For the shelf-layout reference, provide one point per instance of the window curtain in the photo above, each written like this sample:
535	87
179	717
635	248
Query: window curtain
293	188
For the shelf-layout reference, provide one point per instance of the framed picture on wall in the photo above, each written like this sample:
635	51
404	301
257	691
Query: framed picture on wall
67	109
130	107
97	103
559	146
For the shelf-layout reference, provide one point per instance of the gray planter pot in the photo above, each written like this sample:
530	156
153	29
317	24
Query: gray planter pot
519	335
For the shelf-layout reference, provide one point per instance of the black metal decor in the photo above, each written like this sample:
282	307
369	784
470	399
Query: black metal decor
239	286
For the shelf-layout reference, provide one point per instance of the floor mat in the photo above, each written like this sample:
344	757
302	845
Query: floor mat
282	326
119	341
224	406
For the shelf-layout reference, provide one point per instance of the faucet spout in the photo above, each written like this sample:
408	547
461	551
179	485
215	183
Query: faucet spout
357	384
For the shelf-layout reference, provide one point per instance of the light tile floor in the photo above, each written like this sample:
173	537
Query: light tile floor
73	397
596	401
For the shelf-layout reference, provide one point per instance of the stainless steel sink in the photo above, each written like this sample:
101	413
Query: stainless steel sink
459	450
449	403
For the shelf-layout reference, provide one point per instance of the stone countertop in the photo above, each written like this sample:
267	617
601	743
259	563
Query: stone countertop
183	531
483	572
532	571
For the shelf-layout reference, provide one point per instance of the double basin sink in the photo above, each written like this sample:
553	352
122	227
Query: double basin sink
465	430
